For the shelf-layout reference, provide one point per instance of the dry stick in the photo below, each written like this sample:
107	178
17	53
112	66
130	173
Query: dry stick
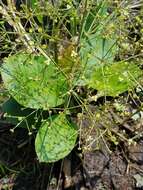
120	121
67	172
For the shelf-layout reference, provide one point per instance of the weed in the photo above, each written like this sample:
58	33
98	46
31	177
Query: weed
59	47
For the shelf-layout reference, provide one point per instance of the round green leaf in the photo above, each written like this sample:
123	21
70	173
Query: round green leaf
55	139
34	81
114	79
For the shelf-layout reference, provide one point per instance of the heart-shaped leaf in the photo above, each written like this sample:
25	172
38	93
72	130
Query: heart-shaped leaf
55	139
34	81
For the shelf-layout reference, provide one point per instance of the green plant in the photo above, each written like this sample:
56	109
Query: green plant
46	78
55	138
114	79
34	81
37	83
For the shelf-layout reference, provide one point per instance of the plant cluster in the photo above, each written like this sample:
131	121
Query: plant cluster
59	48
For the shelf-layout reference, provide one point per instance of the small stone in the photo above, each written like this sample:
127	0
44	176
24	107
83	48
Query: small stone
94	163
136	152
